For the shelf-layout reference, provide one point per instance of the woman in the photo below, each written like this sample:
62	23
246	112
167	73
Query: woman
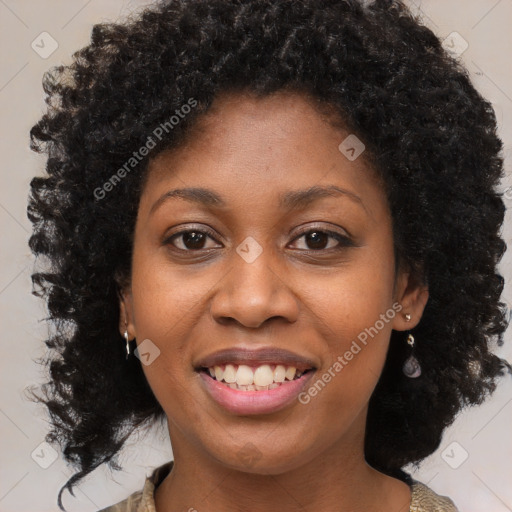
274	224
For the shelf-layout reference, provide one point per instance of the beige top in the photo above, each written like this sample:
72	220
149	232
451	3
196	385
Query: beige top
423	498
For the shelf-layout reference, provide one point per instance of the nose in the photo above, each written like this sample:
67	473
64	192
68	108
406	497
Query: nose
252	294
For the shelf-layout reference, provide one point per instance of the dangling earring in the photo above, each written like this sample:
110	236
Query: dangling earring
127	344
411	367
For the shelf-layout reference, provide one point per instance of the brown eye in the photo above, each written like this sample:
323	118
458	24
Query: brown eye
191	240
318	240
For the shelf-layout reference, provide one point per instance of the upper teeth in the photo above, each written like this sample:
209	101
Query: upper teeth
262	375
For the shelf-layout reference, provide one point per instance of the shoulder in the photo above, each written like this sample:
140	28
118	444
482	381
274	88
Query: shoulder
142	501
130	504
425	499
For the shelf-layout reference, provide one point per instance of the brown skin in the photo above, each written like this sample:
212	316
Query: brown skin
308	457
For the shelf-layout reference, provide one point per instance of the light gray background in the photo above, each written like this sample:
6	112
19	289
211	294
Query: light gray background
482	482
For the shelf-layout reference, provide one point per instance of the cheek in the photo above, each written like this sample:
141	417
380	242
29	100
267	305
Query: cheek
355	310
163	309
352	300
167	300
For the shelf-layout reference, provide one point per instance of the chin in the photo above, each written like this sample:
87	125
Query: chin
261	460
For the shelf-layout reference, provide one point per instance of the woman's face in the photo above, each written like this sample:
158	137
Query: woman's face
286	261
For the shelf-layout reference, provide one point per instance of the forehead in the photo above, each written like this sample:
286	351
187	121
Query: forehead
265	121
250	147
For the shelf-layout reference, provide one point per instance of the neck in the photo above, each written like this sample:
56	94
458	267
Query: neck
337	479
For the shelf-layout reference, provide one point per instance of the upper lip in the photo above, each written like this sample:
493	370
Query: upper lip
251	357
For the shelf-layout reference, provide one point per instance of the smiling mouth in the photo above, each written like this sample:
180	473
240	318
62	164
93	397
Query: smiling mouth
254	378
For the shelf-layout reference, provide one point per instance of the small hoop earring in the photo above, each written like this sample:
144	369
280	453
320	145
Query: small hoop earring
411	367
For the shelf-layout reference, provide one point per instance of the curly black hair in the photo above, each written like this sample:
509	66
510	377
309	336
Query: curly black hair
429	133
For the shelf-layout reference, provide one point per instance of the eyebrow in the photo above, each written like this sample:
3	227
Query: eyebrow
292	200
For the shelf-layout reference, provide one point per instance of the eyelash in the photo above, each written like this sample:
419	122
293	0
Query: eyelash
343	241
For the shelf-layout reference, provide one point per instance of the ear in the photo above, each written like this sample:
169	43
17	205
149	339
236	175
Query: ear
126	316
412	294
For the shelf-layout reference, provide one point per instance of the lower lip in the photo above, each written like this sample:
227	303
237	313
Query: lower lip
255	402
